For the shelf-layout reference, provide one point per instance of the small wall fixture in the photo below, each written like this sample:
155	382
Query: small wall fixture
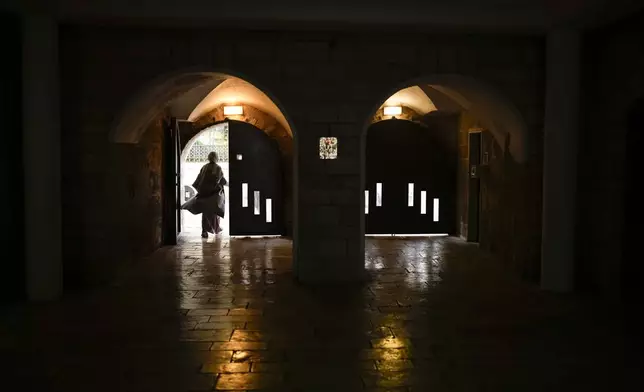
233	110
328	148
392	110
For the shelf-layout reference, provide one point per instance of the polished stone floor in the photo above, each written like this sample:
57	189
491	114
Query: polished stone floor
438	315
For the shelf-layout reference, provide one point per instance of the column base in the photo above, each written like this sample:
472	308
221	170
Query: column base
321	273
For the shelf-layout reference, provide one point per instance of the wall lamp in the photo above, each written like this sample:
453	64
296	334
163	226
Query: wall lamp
392	110
236	110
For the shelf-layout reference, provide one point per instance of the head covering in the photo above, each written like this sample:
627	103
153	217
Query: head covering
212	157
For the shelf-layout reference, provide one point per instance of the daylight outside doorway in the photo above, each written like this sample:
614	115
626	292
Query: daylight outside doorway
194	156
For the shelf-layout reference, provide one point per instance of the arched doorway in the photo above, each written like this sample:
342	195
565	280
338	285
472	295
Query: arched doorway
193	156
252	164
455	152
192	102
410	178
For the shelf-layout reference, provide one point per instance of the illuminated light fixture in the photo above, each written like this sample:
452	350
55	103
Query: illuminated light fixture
392	110
233	110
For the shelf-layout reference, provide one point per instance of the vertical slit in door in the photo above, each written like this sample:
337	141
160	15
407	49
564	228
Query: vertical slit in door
366	202
244	195
379	194
269	210
256	203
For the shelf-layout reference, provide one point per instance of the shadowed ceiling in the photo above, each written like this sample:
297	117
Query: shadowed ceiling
498	14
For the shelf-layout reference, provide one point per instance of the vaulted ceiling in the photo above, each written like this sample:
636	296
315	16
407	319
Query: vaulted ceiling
412	97
234	91
512	14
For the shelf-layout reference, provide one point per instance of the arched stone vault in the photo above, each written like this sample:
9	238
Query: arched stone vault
508	174
190	96
196	93
252	115
235	91
131	123
455	92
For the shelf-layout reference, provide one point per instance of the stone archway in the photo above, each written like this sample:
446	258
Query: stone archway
512	201
494	111
155	101
261	120
252	115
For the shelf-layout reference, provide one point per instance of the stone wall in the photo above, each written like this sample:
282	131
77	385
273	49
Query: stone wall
613	79
118	219
12	278
328	84
510	225
509	215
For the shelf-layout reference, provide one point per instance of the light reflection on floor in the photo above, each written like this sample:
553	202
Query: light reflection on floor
437	315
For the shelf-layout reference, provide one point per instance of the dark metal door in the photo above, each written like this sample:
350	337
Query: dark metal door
171	182
474	187
179	185
410	178
256	194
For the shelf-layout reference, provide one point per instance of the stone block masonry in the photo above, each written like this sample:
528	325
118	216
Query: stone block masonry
327	83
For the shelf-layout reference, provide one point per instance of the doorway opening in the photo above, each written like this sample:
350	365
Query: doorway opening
193	157
411	168
251	162
200	112
448	155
